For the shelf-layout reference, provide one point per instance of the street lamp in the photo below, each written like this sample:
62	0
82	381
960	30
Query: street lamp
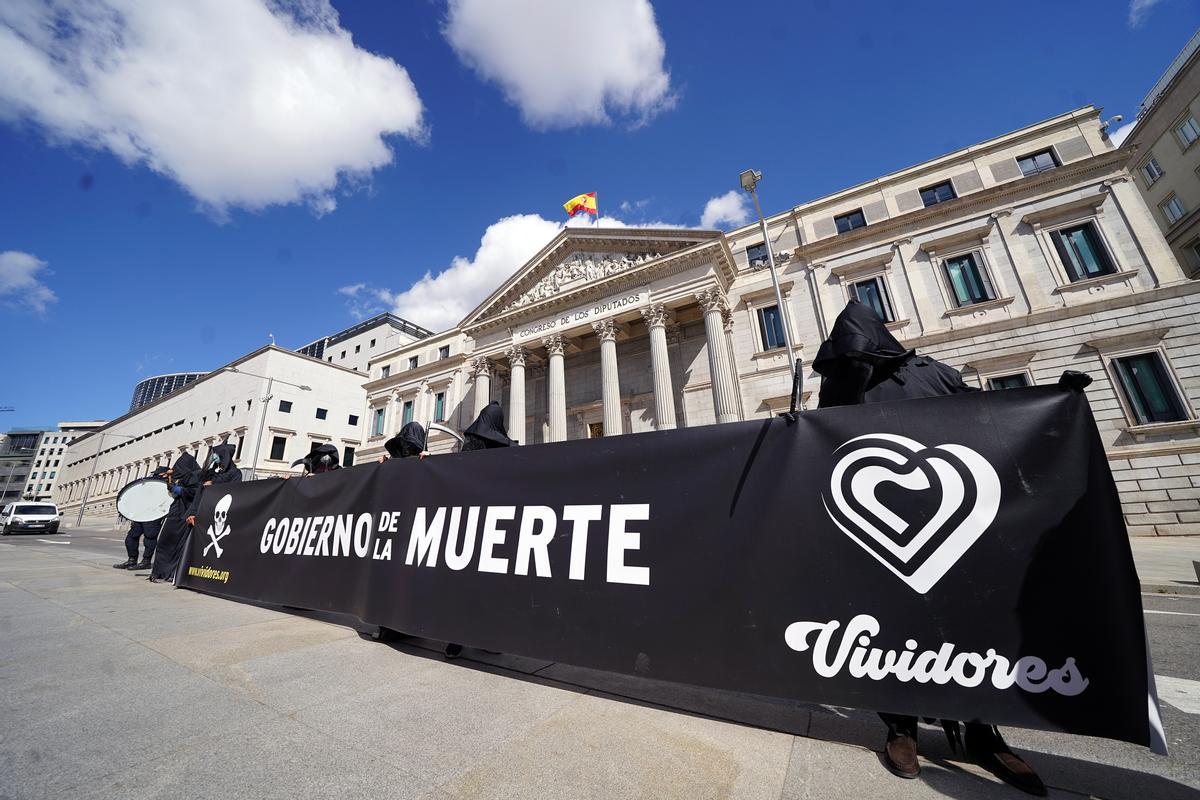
749	180
262	420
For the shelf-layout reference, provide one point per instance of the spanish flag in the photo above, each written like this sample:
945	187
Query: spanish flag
581	203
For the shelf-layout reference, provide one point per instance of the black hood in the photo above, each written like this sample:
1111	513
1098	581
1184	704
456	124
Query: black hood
184	465
859	333
409	442
322	458
224	454
489	426
159	472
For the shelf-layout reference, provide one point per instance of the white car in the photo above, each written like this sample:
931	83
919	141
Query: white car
32	517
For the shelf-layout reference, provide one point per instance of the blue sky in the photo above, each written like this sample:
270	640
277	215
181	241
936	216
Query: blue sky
250	171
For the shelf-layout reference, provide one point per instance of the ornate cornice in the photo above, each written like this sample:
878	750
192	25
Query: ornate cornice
893	228
714	251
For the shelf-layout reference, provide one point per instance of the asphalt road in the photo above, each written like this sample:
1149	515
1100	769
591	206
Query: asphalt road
1172	624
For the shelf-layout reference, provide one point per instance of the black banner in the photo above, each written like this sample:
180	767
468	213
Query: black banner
958	557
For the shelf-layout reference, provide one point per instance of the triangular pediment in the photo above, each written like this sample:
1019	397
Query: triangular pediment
578	258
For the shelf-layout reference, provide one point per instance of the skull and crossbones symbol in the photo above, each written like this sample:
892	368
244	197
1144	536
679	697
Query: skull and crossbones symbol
220	524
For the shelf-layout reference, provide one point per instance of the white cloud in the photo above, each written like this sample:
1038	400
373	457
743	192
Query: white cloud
20	284
566	63
730	209
1139	10
243	103
1117	137
439	301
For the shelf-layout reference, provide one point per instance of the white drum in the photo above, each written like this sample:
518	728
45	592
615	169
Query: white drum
145	500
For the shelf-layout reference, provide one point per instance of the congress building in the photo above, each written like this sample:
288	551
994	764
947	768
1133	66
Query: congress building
1012	260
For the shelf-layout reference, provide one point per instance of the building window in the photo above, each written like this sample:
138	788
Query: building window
385	371
407	414
1151	171
238	455
347	456
322	413
1082	252
770	328
439	407
352	421
413	361
1148	388
377	423
358	348
342	356
331	359
756	255
444	351
848	222
372	343
285	406
968	280
873	292
1187	131
278	443
1172	209
1018	381
938	194
1037	162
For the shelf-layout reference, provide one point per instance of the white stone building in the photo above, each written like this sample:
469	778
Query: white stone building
1012	260
51	450
355	346
272	403
1164	154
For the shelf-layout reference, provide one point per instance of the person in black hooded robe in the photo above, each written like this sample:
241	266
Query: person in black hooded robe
409	442
861	362
487	431
220	470
147	532
320	459
184	480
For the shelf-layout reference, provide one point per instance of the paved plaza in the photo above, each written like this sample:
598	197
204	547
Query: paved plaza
112	687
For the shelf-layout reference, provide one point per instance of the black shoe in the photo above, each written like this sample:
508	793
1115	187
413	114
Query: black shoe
900	756
453	651
985	745
144	565
127	564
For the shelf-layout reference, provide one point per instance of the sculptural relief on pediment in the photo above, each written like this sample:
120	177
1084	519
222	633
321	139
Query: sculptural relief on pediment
579	269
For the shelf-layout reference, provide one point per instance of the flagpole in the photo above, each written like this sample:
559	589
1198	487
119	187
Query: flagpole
597	198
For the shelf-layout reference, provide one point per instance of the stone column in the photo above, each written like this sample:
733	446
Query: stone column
720	370
610	386
516	392
556	388
657	317
483	383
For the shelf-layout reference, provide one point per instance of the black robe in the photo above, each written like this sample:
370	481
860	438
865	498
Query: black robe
409	442
225	471
185	481
861	362
321	458
487	431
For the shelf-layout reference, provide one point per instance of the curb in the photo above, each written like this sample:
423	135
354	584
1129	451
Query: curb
1171	588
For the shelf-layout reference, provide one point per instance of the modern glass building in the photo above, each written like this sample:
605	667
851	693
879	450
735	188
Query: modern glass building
152	389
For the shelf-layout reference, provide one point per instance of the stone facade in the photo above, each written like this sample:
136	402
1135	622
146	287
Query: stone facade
1164	154
674	328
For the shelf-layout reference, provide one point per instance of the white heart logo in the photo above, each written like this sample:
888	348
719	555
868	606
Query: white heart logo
970	497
